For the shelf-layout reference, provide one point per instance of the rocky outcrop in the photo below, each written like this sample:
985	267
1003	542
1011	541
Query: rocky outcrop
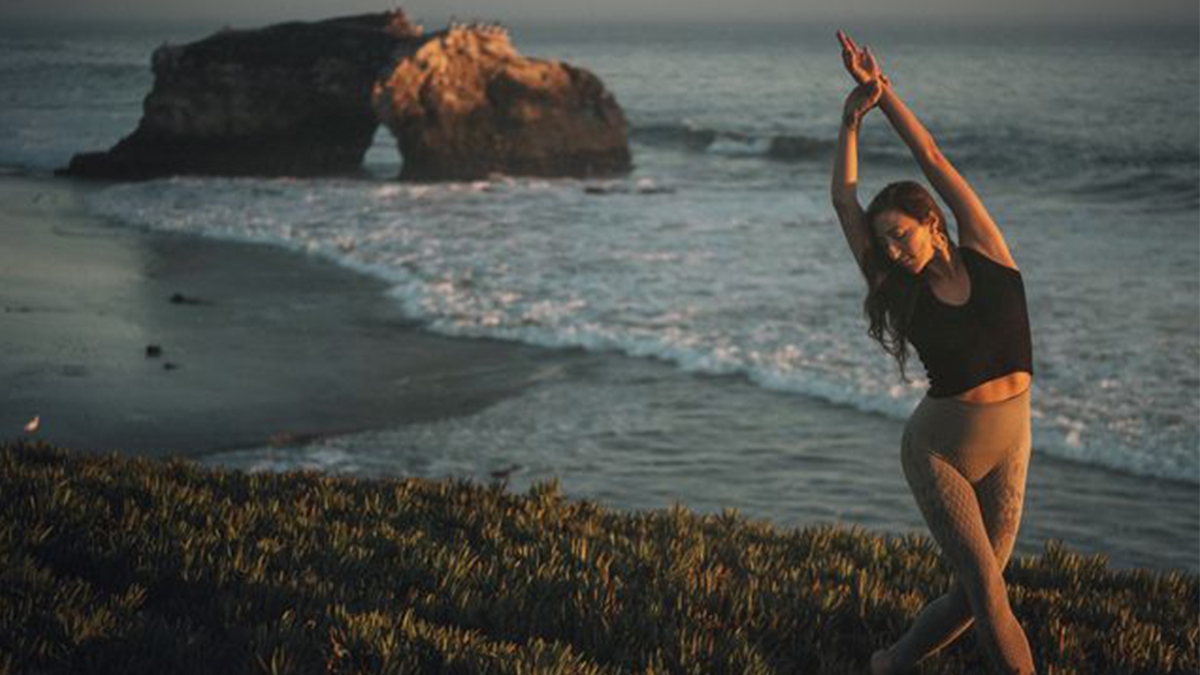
466	104
305	99
289	99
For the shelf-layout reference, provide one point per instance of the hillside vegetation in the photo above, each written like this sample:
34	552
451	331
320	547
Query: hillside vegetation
118	565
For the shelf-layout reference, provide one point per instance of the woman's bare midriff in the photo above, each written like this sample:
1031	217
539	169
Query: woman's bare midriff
998	389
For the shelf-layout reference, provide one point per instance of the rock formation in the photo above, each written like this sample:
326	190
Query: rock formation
305	99
466	105
289	99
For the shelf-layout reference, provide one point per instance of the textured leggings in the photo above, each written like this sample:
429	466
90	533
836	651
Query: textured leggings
966	466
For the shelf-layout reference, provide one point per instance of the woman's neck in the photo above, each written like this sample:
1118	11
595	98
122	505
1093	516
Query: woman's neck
944	266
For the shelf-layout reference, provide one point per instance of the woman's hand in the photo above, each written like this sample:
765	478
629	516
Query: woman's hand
860	101
861	63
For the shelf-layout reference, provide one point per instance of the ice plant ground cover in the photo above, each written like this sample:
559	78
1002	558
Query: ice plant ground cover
112	564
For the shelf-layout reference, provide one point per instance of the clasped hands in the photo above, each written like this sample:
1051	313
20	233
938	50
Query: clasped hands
865	70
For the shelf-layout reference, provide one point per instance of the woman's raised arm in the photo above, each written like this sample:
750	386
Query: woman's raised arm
844	187
975	226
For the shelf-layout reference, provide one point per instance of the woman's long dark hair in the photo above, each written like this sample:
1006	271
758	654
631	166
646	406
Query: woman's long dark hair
891	289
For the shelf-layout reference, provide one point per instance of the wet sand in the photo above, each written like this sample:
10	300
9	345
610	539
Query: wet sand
266	346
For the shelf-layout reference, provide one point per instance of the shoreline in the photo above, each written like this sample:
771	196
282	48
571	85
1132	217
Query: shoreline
259	346
274	348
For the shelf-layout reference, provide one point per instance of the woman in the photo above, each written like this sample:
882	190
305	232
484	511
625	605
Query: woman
966	447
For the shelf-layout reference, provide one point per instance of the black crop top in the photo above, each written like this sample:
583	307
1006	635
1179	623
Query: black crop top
963	346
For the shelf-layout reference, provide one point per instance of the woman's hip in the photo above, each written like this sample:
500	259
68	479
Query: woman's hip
974	437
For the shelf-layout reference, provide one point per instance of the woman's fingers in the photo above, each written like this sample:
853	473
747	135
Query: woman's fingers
861	62
849	42
850	60
847	52
848	46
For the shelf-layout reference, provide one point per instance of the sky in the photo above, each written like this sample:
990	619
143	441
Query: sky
434	13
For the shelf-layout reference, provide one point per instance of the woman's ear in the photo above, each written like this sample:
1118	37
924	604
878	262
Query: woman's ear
937	229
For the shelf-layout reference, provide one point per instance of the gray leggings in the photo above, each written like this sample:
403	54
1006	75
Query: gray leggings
966	465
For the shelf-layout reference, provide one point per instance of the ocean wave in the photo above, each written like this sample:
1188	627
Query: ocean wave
684	136
1170	191
32	44
1058	434
18	170
691	138
1011	149
799	148
1083	165
516	260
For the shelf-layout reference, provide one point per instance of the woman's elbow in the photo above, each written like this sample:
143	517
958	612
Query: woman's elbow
930	154
843	195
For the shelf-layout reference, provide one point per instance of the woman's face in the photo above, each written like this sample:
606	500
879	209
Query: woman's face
906	241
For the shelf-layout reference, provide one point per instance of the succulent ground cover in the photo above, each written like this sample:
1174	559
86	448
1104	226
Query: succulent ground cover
111	564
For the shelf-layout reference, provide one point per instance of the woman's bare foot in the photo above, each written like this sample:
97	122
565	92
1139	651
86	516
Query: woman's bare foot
881	663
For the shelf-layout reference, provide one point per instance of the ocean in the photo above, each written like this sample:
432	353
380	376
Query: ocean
718	265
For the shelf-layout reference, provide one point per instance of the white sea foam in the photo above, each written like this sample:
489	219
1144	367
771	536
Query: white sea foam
709	283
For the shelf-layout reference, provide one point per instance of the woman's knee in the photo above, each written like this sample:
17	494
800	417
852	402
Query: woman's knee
986	594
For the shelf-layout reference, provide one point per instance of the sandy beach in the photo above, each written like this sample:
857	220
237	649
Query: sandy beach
259	345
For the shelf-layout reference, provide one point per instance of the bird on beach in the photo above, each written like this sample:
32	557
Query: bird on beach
503	474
